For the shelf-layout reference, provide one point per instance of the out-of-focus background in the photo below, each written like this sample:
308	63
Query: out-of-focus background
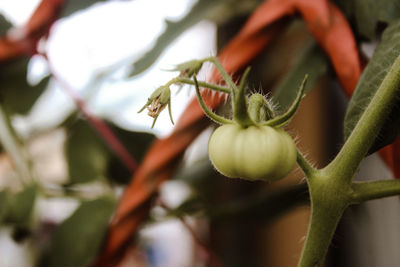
82	65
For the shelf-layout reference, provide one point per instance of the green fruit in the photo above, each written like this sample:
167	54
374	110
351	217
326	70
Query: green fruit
252	153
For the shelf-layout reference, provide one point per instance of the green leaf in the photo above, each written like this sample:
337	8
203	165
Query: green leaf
89	157
3	205
367	14
201	176
263	206
16	94
5	25
19	207
72	6
77	240
312	62
86	153
136	143
173	30
190	206
370	80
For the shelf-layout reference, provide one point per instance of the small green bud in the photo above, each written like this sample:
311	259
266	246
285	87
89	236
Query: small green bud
189	68
156	103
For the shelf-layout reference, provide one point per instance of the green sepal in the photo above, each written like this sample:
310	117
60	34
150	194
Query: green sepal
189	68
284	119
240	106
216	118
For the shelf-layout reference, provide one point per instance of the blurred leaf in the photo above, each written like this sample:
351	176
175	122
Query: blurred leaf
195	172
16	94
86	153
201	176
367	14
19	234
72	6
90	158
265	205
5	25
3	205
372	77
173	30
190	206
77	240
136	143
312	62
19	206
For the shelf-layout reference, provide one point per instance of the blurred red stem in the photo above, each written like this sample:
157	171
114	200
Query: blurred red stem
101	127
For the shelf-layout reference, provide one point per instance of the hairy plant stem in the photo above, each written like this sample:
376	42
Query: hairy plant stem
328	201
332	190
214	87
304	165
224	74
363	191
363	135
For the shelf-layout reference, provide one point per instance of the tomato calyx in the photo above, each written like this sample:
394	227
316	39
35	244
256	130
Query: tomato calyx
254	110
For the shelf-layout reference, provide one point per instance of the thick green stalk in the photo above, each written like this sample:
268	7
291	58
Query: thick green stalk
331	189
322	227
328	201
360	140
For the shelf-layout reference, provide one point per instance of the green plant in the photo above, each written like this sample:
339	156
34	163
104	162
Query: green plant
321	38
331	188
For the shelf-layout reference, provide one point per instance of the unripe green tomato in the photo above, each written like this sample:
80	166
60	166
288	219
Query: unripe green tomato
252	153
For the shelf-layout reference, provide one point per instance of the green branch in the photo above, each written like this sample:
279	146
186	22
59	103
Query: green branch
324	220
360	140
364	191
305	165
223	73
331	189
204	85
